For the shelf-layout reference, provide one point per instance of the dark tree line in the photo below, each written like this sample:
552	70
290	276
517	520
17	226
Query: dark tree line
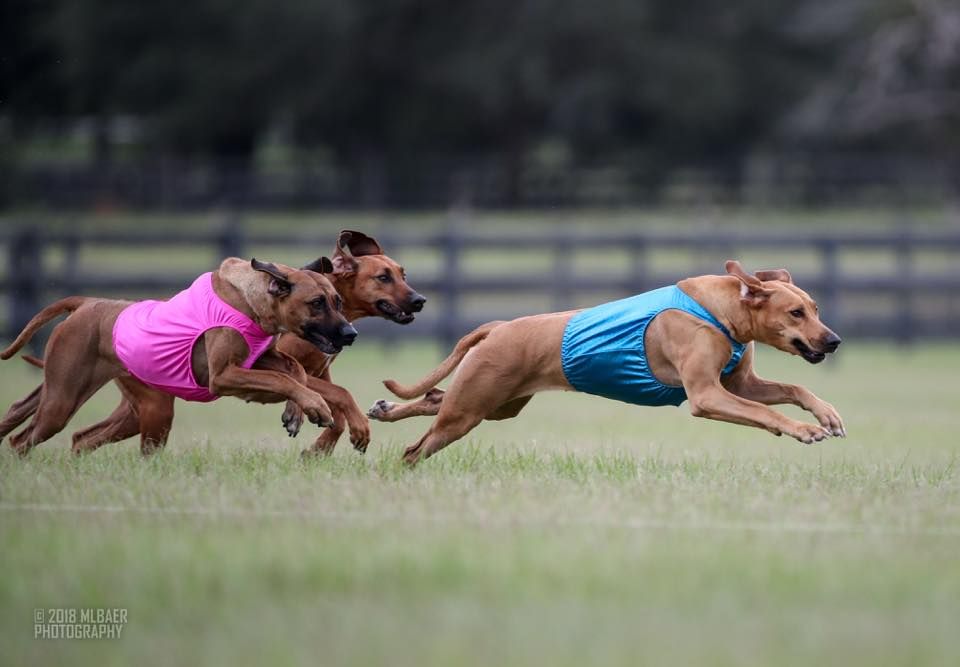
395	78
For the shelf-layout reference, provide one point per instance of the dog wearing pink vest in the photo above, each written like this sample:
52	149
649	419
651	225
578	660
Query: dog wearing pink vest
214	339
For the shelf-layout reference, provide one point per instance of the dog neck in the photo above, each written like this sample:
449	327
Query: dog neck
245	289
720	295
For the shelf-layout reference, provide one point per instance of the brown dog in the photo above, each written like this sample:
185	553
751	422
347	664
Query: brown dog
370	284
82	355
502	364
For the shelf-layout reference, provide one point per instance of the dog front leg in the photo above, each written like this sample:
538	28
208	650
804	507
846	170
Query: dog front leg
776	393
277	360
326	442
237	381
715	402
342	402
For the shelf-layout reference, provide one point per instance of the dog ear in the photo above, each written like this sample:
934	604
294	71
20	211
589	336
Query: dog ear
279	283
344	263
774	274
752	291
320	265
358	243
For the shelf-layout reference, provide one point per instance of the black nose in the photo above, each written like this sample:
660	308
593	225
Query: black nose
348	334
831	342
416	302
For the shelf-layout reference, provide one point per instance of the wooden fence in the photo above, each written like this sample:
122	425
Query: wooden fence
902	285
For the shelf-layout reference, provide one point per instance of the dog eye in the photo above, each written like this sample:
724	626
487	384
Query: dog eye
384	277
797	313
319	304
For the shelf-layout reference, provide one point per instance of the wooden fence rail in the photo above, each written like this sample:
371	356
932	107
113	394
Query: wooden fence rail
909	301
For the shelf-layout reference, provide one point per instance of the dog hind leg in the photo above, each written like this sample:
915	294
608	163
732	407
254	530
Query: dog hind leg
446	429
463	407
156	418
72	374
20	411
53	413
387	411
509	410
122	423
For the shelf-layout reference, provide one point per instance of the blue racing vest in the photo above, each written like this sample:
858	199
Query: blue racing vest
603	348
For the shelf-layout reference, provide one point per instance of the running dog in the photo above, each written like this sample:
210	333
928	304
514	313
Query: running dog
370	284
214	339
693	340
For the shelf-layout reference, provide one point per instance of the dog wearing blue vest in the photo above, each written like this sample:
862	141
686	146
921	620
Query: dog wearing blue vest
692	341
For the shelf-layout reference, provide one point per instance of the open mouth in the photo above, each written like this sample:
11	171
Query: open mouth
393	313
807	353
322	343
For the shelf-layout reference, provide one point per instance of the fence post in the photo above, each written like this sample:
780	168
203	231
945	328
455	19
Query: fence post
26	276
562	267
831	281
71	257
452	249
230	242
638	266
904	325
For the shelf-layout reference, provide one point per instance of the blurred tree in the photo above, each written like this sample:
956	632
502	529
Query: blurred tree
676	79
31	75
386	80
896	82
207	76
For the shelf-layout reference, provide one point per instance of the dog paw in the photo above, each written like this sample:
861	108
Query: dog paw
360	435
830	419
412	455
21	449
807	433
379	409
292	418
318	413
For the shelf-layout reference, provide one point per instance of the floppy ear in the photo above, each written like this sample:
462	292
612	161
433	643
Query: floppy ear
358	243
320	265
279	284
343	261
752	291
774	274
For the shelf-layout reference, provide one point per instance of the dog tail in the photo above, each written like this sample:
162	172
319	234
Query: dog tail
68	305
446	367
32	360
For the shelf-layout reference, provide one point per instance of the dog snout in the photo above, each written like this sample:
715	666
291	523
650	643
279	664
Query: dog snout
416	302
347	333
831	342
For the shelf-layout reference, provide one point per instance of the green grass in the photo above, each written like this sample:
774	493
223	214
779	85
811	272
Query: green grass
583	532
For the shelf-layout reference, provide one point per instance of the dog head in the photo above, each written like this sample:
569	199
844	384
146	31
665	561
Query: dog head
783	315
372	284
304	303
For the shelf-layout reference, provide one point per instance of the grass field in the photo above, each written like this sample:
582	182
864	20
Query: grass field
584	532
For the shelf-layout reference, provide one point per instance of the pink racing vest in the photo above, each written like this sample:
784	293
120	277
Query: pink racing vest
154	339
